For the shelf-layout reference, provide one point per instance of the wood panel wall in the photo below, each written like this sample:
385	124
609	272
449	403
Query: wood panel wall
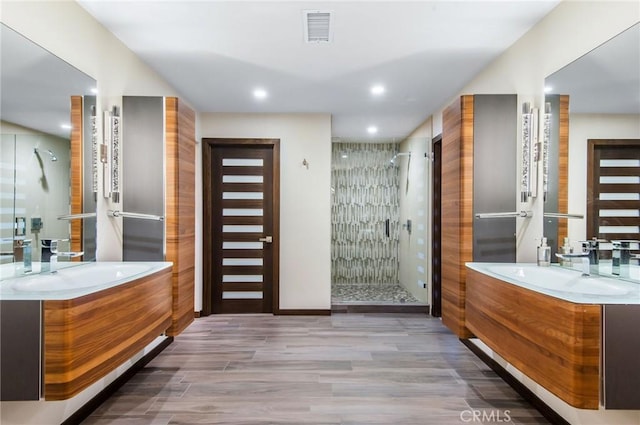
76	175
554	342
563	167
87	337
457	211
180	149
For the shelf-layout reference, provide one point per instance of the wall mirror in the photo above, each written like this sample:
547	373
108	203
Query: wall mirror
594	98
46	151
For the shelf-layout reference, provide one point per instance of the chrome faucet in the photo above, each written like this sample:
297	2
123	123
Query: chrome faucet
584	256
621	257
50	258
590	256
45	255
592	247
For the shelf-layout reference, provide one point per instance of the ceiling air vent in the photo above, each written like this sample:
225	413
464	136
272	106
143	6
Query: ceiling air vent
317	26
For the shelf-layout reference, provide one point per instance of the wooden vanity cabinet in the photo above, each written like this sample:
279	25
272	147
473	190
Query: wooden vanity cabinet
87	337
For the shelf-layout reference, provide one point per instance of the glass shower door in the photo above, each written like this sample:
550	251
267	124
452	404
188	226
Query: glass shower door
365	214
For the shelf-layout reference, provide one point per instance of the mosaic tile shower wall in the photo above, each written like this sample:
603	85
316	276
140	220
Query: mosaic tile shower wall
364	185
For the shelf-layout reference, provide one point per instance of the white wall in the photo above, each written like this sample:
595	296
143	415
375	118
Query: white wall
581	128
415	200
69	32
305	207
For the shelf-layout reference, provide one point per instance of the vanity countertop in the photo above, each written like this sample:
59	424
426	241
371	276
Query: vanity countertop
565	284
77	281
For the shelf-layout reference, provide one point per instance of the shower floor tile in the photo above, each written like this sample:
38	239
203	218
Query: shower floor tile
354	293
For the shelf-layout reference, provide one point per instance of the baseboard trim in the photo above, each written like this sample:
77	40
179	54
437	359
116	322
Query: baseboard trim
302	312
197	314
542	407
88	408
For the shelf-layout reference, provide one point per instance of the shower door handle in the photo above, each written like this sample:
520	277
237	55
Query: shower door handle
266	239
386	227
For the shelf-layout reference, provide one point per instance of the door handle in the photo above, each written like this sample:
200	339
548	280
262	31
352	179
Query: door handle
267	239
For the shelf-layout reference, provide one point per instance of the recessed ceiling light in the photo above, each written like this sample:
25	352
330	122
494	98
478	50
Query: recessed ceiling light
65	126
260	94
372	129
548	89
377	90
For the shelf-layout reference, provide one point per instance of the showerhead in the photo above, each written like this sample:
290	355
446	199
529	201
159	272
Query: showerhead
393	160
53	156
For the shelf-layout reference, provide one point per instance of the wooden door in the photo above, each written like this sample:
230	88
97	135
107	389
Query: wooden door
240	225
613	189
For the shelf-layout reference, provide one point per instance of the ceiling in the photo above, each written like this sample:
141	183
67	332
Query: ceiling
216	53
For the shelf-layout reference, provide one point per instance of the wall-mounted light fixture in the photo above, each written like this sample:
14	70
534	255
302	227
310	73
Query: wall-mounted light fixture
110	155
546	139
530	153
94	152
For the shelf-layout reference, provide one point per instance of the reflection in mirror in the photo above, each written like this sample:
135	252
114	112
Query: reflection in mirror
595	104
37	150
555	169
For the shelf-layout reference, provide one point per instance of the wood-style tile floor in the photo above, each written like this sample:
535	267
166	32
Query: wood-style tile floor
343	369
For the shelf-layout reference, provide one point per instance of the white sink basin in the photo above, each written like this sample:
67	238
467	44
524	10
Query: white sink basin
85	276
557	279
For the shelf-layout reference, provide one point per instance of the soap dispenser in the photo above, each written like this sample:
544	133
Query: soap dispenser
544	253
566	249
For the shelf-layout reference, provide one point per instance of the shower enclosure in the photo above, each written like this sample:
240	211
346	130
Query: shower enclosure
365	227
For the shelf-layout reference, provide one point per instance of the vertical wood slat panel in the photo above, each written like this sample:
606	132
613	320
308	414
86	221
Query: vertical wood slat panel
180	209
457	211
452	122
563	166
77	176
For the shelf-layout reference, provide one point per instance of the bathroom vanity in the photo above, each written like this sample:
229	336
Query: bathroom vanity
62	332
574	335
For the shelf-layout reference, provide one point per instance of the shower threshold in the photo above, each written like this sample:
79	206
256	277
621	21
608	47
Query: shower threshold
374	298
